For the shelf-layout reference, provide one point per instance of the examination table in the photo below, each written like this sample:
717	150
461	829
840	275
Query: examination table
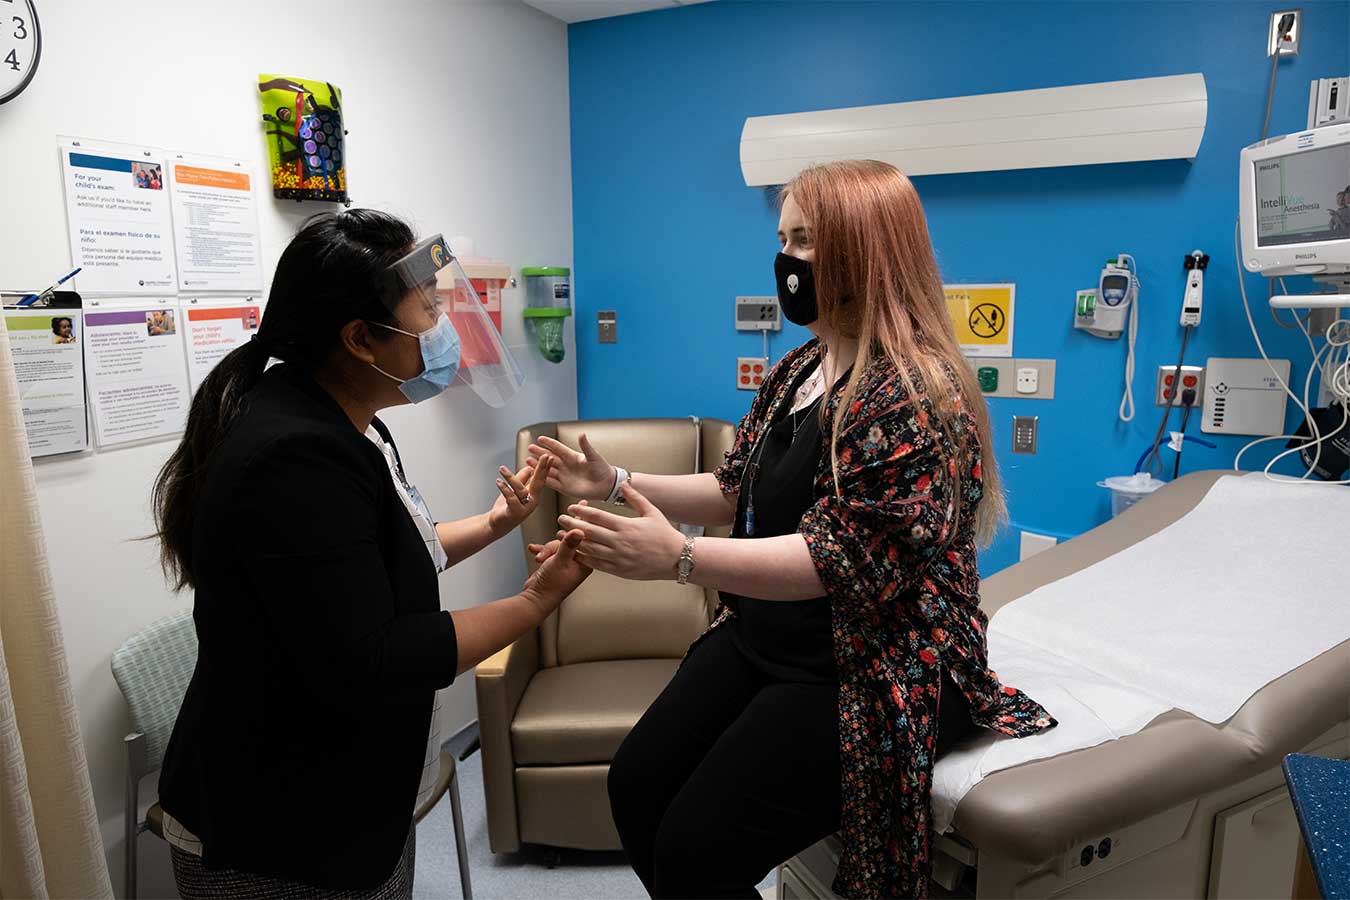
1182	808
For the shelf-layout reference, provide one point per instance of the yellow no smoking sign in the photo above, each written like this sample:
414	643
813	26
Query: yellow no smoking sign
983	316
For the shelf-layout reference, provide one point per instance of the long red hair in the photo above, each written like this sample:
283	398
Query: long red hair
877	280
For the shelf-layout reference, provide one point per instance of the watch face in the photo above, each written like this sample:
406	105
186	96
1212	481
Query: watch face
20	47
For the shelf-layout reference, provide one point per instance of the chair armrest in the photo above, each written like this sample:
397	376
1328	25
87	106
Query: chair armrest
500	682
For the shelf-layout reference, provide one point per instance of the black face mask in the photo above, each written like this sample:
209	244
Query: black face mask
796	289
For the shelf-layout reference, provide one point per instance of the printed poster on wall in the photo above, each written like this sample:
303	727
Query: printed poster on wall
117	210
983	317
138	380
215	224
49	366
214	328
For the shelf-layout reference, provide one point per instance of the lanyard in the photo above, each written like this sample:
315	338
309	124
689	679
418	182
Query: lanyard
757	453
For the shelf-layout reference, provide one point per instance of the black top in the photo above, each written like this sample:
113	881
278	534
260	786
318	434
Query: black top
299	746
788	639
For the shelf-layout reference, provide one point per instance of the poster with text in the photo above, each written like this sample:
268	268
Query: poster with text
215	219
137	374
45	345
982	315
117	209
214	328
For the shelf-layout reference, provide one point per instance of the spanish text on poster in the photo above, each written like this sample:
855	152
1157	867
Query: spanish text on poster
45	345
215	327
117	209
137	374
215	224
983	317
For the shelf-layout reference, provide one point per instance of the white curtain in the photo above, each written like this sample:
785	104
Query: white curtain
50	844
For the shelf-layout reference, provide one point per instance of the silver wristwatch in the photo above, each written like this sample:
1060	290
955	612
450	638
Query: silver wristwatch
685	566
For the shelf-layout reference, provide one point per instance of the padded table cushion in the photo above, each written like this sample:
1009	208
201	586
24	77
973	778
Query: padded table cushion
1034	811
582	712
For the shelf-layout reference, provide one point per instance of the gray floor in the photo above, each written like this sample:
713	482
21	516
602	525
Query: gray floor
512	876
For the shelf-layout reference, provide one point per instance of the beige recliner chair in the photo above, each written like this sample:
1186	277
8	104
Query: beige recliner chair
554	706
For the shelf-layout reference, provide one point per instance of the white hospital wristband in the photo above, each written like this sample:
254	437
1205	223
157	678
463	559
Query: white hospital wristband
621	477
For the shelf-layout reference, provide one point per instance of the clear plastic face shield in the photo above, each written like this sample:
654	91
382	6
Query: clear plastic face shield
436	277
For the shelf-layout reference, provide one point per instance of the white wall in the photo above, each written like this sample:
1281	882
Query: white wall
458	113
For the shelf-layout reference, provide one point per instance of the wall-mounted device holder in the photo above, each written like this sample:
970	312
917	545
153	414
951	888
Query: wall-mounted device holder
548	302
1195	265
1105	312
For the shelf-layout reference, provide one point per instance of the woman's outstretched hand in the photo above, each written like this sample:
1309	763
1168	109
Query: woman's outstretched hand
586	474
520	494
645	548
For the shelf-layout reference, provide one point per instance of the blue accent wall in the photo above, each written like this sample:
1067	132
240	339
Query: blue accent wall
667	234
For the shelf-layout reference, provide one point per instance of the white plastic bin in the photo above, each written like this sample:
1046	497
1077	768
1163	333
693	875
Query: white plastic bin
1127	490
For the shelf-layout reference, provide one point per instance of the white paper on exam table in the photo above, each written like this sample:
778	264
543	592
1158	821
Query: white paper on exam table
1089	710
1246	587
1178	636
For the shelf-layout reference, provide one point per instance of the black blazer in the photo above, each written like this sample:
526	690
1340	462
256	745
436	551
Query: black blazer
299	746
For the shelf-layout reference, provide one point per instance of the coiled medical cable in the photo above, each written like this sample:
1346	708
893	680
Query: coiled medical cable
1340	382
1127	401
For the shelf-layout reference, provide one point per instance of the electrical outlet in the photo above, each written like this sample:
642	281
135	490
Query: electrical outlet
1289	46
750	372
1024	434
1035	379
608	322
1165	392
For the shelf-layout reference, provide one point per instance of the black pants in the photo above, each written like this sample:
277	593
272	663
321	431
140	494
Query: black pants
730	773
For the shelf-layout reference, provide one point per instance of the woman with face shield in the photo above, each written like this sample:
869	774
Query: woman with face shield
849	651
294	765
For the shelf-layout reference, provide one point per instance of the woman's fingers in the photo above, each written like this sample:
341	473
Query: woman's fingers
522	493
593	533
559	449
538	475
598	551
600	517
564	547
511	499
640	504
591	454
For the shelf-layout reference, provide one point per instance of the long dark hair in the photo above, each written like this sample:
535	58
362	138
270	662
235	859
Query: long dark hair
331	273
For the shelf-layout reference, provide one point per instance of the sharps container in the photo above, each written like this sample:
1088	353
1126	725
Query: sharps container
548	301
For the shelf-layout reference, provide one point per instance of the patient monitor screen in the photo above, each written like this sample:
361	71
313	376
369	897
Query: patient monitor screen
1303	197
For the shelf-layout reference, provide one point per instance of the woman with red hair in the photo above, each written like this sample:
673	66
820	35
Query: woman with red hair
849	652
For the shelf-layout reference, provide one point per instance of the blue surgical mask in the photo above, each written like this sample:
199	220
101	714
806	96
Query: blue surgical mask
440	360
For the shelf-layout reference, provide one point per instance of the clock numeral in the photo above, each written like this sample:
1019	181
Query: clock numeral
12	61
22	31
